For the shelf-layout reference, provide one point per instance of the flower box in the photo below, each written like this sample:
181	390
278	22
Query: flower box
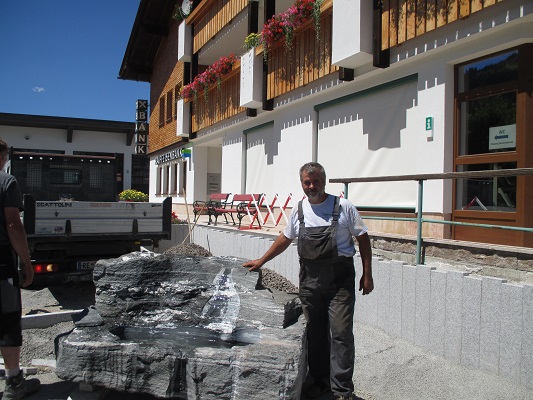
351	45
251	80
183	112
184	42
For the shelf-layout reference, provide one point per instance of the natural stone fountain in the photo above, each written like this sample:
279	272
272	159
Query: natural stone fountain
186	327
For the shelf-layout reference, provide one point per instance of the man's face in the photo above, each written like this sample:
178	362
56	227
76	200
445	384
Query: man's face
313	186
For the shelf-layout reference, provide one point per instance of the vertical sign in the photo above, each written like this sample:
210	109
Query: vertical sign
141	127
429	123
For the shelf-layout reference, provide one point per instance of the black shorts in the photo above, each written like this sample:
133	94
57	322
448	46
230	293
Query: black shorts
10	300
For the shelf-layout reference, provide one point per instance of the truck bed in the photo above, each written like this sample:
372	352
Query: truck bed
66	238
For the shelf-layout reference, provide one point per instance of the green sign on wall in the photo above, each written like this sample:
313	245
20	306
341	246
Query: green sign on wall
429	123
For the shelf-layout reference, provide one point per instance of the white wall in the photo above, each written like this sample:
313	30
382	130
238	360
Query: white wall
232	163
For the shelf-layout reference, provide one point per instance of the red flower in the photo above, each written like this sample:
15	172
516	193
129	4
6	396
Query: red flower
213	74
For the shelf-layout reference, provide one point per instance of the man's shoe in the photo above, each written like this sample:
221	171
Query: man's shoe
350	397
17	387
317	389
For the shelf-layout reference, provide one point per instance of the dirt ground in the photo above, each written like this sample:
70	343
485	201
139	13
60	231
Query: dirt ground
38	344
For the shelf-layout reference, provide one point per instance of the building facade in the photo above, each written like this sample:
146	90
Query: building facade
80	159
368	89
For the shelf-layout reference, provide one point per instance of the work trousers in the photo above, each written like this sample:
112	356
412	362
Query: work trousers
327	292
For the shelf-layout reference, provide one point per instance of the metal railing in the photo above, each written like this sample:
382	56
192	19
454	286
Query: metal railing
420	178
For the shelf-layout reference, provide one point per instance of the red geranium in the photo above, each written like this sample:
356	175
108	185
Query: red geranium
281	26
213	74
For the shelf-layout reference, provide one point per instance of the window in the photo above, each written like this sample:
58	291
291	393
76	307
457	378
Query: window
174	178
65	176
486	106
162	111
488	124
183	178
34	175
158	181
495	70
166	179
170	107
96	176
487	194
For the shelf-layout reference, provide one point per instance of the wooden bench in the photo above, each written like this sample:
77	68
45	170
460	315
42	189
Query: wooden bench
218	200
241	205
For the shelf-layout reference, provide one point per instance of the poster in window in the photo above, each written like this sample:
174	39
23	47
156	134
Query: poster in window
502	137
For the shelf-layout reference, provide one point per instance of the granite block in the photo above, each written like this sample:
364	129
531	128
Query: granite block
489	339
422	305
471	320
511	331
437	313
454	306
408	302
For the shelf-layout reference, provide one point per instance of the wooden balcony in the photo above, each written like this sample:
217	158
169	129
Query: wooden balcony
219	103
307	60
406	19
210	17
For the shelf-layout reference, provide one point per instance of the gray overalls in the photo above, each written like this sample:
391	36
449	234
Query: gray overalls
327	292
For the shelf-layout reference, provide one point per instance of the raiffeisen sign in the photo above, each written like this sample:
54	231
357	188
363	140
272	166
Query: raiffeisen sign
173	155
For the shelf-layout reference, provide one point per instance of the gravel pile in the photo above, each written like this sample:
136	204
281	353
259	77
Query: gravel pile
189	249
273	280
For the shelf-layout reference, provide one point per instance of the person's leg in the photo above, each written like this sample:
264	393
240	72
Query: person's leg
11	356
316	316
341	310
342	355
17	387
11	341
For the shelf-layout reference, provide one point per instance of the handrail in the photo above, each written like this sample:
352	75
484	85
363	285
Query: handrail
446	175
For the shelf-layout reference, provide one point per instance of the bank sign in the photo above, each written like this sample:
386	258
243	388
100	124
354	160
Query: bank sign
502	137
172	155
141	127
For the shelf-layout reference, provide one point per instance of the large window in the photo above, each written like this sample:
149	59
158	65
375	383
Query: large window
171	178
487	194
486	98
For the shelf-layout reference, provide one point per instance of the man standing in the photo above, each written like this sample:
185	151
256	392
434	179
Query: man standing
13	242
325	226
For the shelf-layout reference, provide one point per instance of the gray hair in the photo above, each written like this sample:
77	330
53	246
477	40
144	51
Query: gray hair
313	167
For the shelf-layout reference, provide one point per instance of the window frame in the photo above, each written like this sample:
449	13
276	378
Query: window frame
522	155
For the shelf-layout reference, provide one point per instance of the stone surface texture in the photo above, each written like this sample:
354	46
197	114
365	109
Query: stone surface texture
187	327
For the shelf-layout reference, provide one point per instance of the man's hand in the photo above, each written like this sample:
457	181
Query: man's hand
27	275
366	284
253	265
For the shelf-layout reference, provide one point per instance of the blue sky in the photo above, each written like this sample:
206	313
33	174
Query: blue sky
62	58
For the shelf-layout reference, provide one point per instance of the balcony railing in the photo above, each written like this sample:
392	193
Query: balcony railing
219	103
420	178
307	60
406	19
210	17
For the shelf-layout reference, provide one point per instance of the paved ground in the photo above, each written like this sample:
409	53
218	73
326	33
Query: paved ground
386	368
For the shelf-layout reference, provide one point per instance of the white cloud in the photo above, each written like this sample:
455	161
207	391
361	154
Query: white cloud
38	89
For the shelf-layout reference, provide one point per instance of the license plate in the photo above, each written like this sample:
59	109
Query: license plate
81	265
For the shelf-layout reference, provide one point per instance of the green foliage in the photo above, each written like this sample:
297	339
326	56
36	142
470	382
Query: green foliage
133	195
252	41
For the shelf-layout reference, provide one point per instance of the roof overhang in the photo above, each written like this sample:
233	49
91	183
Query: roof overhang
149	30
